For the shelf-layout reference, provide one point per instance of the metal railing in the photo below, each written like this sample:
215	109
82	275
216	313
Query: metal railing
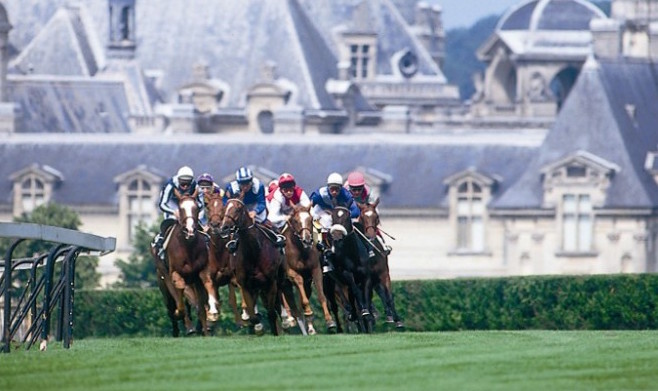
43	292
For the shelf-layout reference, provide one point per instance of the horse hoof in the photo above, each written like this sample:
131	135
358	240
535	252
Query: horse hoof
285	324
311	330
213	317
365	313
399	325
191	331
331	327
245	315
258	329
389	319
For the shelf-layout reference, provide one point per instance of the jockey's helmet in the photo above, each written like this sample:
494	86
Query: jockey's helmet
286	180
335	179
185	174
244	175
205	177
356	179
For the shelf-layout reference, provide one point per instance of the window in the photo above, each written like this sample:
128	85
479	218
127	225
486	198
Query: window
124	24
359	61
33	194
470	217
140	205
576	223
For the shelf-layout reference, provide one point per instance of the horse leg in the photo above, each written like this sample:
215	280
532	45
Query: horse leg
179	287
388	290
287	320
249	304
329	291
213	296
319	287
233	303
200	292
271	298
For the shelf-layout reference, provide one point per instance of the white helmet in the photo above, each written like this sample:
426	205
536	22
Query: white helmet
335	179
185	173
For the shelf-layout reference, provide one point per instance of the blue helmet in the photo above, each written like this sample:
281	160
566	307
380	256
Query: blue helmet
244	174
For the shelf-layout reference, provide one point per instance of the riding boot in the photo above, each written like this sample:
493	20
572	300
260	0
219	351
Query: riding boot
386	247
158	241
327	266
279	240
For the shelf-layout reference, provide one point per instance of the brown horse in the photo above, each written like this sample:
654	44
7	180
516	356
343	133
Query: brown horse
168	292
379	272
303	260
188	257
220	272
260	268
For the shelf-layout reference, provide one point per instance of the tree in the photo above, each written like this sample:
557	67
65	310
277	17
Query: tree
139	270
86	276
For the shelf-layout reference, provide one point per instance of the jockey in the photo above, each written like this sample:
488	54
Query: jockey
356	184
207	185
284	198
184	182
323	200
254	199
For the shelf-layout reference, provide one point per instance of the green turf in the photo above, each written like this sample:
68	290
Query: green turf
482	360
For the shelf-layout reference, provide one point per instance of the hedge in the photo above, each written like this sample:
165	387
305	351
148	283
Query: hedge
517	303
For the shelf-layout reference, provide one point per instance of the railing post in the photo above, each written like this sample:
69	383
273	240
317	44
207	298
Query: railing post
6	326
69	288
47	292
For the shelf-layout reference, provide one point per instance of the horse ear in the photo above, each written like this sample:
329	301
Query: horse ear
374	204
361	205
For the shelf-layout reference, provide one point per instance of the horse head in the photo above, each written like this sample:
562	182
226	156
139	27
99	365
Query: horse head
341	222
369	218
188	213
301	223
215	211
236	216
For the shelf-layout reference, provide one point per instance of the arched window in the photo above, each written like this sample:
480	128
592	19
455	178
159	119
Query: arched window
33	193
140	205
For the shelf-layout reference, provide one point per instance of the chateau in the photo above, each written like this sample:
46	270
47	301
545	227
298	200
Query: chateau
550	168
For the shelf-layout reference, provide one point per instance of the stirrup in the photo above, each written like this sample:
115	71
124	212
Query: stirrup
371	253
280	241
387	249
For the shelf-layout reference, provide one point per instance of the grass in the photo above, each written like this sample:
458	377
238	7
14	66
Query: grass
480	360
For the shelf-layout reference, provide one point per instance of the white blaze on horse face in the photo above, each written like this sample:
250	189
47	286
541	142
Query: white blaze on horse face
305	220
340	213
369	213
187	206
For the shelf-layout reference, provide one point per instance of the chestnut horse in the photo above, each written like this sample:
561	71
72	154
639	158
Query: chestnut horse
220	271
260	269
303	260
351	269
379	272
188	257
168	292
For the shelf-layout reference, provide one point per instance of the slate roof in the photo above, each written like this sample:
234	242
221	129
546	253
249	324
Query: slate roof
610	113
416	165
297	35
65	104
549	15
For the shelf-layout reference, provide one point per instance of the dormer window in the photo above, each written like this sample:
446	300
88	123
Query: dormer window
33	186
33	194
138	195
359	61
576	171
469	193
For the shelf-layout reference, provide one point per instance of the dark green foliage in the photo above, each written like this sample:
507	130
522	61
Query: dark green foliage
608	302
461	62
139	271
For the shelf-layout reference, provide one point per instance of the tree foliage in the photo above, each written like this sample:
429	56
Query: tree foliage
139	271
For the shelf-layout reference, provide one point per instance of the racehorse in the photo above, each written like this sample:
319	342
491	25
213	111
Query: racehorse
220	272
303	261
379	272
260	268
168	292
350	261
188	257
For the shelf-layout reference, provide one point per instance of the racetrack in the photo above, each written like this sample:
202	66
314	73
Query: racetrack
469	360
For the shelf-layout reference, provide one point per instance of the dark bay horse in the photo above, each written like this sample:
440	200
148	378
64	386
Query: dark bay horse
188	257
351	269
379	272
260	269
220	272
303	260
